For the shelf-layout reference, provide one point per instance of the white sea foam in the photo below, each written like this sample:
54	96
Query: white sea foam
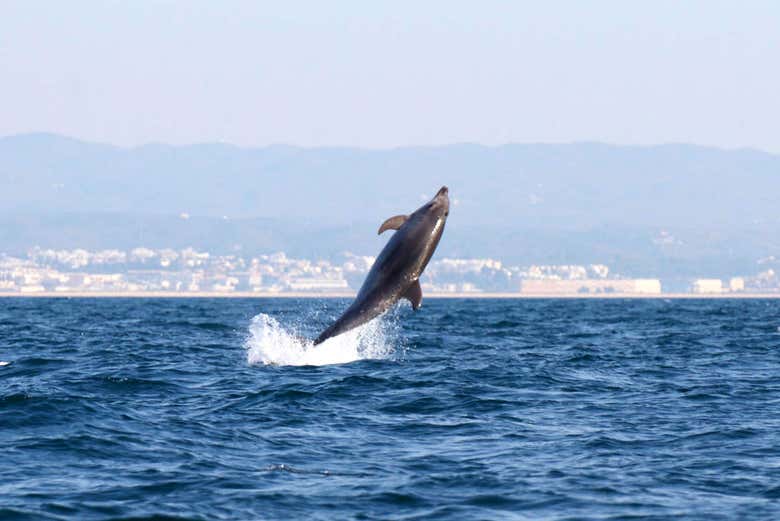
272	344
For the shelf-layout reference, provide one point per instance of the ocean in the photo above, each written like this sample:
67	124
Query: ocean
174	409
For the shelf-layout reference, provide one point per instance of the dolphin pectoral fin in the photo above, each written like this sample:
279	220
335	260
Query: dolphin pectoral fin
393	223
414	294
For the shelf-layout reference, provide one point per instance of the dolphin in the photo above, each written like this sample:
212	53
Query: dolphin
396	272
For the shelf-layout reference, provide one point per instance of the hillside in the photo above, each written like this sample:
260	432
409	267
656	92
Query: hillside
671	209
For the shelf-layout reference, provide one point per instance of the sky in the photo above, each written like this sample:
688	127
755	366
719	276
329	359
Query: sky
395	73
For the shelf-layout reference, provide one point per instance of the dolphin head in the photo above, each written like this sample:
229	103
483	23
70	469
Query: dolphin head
427	225
440	204
434	215
437	209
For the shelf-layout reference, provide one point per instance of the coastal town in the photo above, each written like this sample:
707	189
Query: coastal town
189	271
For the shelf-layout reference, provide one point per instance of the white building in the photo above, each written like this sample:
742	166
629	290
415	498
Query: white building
592	286
707	286
737	284
312	284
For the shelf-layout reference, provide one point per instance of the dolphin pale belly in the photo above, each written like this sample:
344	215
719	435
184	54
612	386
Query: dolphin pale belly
396	272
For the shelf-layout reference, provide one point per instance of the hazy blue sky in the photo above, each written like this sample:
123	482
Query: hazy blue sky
396	73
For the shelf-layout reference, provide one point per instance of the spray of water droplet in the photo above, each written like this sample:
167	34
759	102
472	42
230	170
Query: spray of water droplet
271	343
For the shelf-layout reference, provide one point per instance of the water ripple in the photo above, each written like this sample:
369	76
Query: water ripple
468	409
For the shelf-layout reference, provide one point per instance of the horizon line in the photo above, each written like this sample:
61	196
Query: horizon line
389	148
351	294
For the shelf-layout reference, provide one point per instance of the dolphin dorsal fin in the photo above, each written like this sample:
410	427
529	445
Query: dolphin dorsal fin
393	223
414	294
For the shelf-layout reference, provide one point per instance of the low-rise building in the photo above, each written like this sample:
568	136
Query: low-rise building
737	284
703	286
590	286
317	284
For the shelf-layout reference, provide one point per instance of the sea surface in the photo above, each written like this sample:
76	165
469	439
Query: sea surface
467	409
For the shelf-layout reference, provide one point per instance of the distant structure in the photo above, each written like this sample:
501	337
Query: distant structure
320	284
146	270
737	284
592	286
707	286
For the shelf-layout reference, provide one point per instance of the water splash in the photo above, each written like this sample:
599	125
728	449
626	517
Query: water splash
272	344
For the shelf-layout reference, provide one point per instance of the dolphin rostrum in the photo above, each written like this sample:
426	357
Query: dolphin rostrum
396	272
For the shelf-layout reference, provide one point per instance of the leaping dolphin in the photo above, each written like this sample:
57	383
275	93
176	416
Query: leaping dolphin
396	272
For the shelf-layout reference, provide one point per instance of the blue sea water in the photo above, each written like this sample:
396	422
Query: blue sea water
467	409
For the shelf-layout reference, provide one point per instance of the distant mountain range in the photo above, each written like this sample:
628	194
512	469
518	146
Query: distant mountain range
670	208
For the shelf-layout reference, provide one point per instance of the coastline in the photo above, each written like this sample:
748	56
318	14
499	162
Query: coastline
474	295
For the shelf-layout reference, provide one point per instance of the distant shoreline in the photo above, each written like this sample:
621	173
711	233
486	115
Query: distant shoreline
475	295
